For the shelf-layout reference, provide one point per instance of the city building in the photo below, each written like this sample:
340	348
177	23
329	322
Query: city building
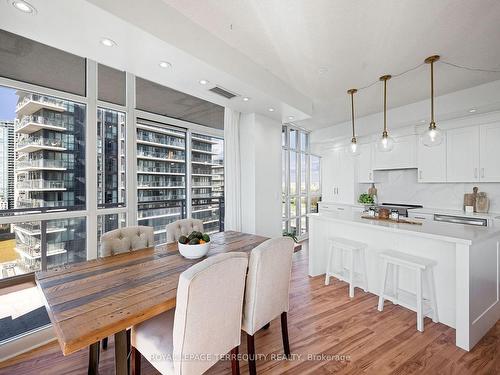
161	177
49	173
7	164
208	181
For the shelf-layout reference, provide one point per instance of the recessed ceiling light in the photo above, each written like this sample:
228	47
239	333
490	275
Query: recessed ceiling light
24	6
245	99
291	117
270	109
108	42
203	81
165	64
472	110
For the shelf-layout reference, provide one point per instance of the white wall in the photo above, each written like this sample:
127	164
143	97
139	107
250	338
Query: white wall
260	145
400	186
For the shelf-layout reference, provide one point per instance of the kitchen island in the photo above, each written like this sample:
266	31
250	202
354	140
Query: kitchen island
467	271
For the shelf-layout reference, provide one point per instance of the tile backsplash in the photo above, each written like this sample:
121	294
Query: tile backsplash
400	186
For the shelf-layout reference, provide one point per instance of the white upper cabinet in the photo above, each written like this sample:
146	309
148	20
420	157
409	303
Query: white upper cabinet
338	177
462	154
489	153
365	164
402	156
431	162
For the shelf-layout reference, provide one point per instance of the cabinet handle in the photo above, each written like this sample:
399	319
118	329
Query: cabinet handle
475	172
482	172
420	217
340	208
420	174
370	175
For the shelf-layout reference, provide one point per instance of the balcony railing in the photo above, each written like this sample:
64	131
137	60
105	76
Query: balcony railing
161	184
156	212
37	203
41	121
165	141
144	169
207	161
44	100
40	141
41	164
160	155
164	197
35	226
40	184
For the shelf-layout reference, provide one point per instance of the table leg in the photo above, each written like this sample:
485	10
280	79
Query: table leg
121	360
94	358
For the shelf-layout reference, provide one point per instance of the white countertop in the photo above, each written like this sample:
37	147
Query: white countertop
457	233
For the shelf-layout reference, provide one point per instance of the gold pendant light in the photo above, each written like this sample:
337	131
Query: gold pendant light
353	149
432	136
385	143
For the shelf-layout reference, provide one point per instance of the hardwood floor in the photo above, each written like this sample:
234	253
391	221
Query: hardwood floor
329	333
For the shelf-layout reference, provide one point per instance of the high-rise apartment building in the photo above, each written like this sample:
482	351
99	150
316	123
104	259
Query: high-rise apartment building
49	146
207	162
7	165
161	177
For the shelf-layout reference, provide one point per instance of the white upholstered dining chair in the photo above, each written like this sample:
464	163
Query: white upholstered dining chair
183	228
123	240
206	324
266	292
126	239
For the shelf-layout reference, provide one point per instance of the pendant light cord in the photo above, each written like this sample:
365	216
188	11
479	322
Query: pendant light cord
352	114
432	93
472	69
385	106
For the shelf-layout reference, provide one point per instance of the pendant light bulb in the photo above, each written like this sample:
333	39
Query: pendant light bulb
432	136
353	148
385	143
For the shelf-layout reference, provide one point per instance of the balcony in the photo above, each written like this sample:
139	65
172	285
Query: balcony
38	203
30	124
159	170
216	163
34	102
41	164
34	228
32	144
160	156
41	185
34	251
158	141
204	139
160	198
158	213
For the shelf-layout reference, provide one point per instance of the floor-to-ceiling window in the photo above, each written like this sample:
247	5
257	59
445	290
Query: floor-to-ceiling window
300	181
79	157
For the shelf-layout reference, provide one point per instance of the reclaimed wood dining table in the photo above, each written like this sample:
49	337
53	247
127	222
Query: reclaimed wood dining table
91	300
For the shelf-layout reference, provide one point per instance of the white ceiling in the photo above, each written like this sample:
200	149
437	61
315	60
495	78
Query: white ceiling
357	41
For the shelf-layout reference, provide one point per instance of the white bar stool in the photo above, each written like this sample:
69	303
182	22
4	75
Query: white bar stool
355	250
422	267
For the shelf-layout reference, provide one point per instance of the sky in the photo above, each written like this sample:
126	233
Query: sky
8	101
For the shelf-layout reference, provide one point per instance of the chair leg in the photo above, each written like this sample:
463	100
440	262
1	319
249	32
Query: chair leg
351	274
252	368
420	316
284	333
135	361
329	265
432	286
382	288
235	363
93	368
105	343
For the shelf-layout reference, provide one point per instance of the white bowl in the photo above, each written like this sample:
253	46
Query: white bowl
193	251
